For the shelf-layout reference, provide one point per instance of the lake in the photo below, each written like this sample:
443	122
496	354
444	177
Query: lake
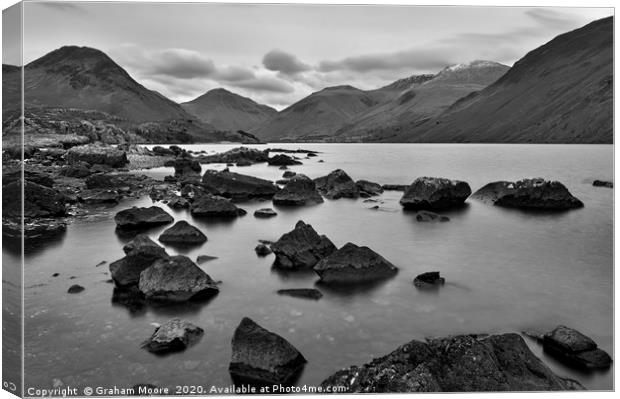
506	270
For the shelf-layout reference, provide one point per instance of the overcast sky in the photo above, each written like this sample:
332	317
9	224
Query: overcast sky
277	54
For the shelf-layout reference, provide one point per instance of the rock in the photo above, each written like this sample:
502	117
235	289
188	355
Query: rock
288	174
239	154
176	279
182	233
602	183
243	162
262	250
353	264
178	203
237	186
75	288
528	194
282	160
462	363
186	166
301	248
262	357
38	201
42	179
336	185
283	167
427	216
99	196
161	151
433	193
394	187
429	279
97	154
320	161
140	254
265	213
299	190
282	182
173	336
306	293
136	218
78	170
368	189
211	206
204	258
575	348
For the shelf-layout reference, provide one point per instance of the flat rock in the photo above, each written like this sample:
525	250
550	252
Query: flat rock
282	160
262	357
354	264
428	279
428	216
97	154
237	186
176	279
136	218
265	213
182	233
306	293
462	363
299	190
528	194
434	193
337	184
212	206
173	336
575	348
239	154
140	254
301	248
603	183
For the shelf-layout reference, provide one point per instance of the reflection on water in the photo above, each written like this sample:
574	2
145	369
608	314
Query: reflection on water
506	270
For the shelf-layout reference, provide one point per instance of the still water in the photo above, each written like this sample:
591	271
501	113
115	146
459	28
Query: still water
506	270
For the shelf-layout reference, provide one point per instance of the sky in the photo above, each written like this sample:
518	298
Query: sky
278	54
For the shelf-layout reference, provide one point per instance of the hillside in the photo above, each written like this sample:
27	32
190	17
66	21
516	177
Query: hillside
561	92
228	111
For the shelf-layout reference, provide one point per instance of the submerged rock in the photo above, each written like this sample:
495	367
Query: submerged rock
428	279
575	348
336	185
427	216
265	213
301	248
353	264
306	293
97	154
136	218
173	336
462	363
204	258
282	160
262	250
433	193
237	186
141	253
262	357
176	279
368	188
211	206
182	233
602	183
528	194
299	190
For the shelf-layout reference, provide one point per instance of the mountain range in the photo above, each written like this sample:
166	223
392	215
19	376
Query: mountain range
561	92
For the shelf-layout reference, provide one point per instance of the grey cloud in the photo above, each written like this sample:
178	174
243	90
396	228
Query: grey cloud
266	84
280	61
424	59
180	63
234	73
552	18
64	6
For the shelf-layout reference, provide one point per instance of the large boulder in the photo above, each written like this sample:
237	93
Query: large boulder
433	193
353	264
137	218
182	233
368	189
78	170
282	160
575	348
237	186
39	201
140	254
208	205
173	336
176	279
463	363
528	194
97	154
301	248
336	185
262	357
299	190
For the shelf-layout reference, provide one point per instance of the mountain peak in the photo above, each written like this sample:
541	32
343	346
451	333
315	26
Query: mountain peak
71	54
476	64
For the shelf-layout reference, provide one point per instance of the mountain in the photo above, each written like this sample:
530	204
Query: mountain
318	115
420	97
86	78
561	92
228	111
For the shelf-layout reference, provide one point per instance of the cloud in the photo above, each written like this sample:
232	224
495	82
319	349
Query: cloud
285	63
180	63
552	18
64	7
266	84
234	73
416	58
